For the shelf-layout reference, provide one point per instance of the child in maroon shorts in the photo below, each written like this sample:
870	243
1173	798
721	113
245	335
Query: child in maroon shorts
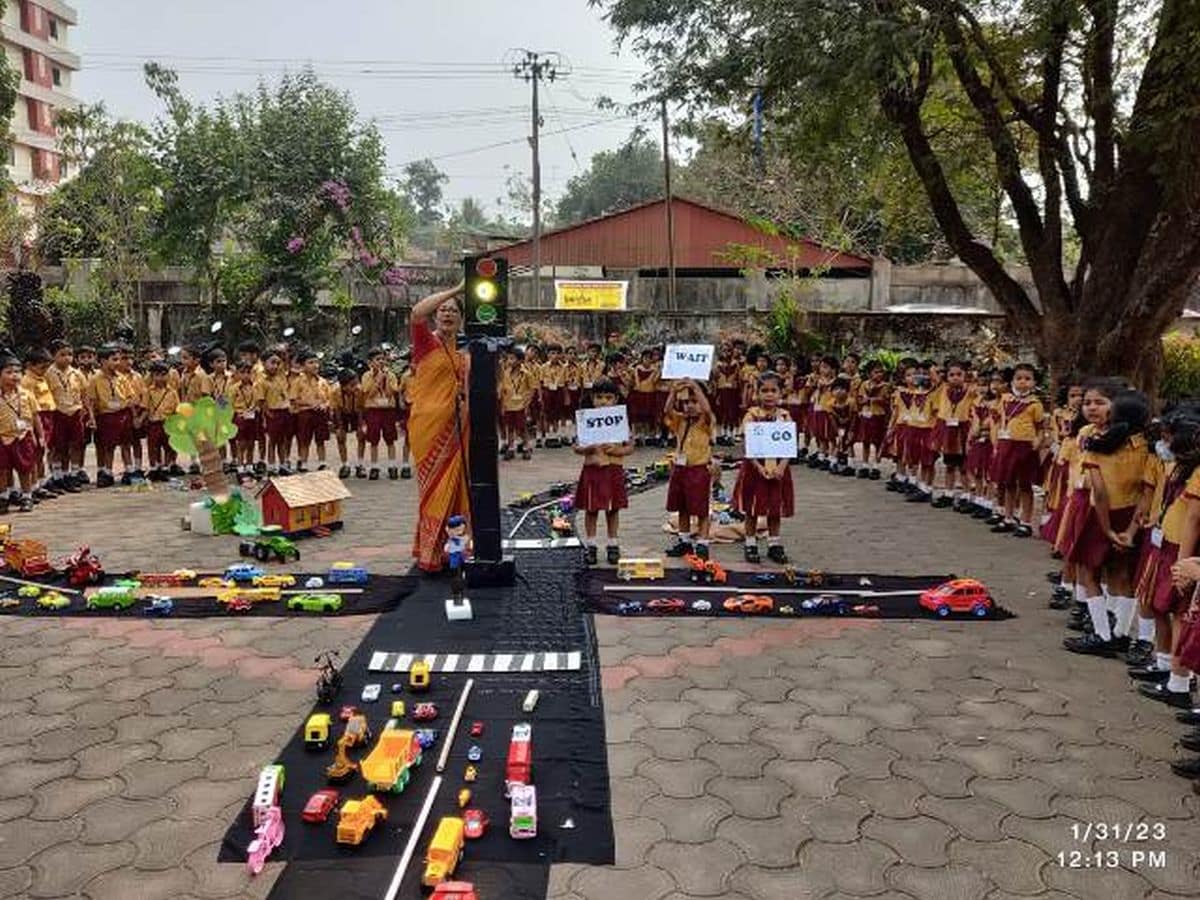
764	486
161	402
601	486
690	419
20	434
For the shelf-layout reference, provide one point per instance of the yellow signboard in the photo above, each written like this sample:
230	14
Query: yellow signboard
590	296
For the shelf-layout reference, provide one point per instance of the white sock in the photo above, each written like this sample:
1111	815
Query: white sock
612	542
1126	607
1080	594
1162	662
772	541
589	542
1145	628
391	463
1098	611
1179	684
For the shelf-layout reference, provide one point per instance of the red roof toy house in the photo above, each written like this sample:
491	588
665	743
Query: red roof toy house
300	503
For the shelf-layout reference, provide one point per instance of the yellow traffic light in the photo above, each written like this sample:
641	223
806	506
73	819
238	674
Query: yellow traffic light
485	291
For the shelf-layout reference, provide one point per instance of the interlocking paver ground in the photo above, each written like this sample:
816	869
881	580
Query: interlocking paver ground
749	759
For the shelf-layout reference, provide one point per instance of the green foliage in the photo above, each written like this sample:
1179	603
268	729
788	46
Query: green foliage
89	315
890	359
199	423
615	180
421	190
1181	360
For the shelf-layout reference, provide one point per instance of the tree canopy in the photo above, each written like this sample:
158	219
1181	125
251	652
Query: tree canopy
614	180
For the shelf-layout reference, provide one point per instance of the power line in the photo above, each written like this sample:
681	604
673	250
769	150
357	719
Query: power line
520	140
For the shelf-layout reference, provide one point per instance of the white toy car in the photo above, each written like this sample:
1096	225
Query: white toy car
370	693
315	582
701	606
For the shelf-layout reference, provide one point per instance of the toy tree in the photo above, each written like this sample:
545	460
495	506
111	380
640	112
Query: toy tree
200	430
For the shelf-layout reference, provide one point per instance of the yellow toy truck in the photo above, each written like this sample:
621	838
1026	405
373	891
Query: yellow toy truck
445	850
388	767
316	731
644	568
357	818
418	676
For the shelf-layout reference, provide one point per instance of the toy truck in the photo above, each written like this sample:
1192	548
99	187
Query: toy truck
27	558
265	549
266	794
118	598
522	821
357	818
389	765
445	850
519	768
646	568
454	890
346	573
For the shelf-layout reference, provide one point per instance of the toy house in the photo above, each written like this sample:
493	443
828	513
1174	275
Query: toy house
299	503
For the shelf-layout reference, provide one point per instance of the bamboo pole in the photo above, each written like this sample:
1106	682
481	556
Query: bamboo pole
452	731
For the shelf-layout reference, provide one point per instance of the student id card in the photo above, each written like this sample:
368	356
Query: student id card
1156	537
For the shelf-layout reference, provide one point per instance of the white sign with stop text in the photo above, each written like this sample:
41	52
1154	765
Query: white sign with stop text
771	440
603	425
687	361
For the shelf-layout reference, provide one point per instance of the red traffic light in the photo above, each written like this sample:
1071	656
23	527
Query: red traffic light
486	268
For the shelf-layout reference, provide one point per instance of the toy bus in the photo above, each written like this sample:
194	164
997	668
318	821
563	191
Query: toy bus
648	568
251	595
519	769
266	794
389	765
522	821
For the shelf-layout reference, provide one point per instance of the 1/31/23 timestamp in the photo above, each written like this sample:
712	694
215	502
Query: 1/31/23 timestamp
1112	859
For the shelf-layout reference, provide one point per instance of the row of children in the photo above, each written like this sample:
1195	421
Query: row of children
60	401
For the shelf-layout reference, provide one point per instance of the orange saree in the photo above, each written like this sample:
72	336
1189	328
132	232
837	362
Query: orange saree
438	439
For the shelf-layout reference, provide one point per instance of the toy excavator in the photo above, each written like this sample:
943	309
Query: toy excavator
343	767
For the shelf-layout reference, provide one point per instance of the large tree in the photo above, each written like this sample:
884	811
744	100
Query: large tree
1089	109
615	180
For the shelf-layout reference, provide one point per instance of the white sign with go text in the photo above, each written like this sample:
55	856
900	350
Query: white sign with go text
604	425
687	361
771	440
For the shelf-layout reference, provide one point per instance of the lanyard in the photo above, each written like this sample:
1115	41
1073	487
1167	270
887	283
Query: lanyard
1008	410
16	409
161	400
1173	492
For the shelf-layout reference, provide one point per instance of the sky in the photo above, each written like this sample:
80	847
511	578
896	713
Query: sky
430	73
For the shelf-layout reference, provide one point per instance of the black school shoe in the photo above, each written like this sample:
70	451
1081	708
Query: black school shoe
875	476
406	471
1140	654
176	470
612	554
374	476
1003	527
104	480
893	484
1022	531
679	548
1187	768
1188	716
591	556
981	512
863	473
943	502
344	472
776	554
68	486
1159	692
918	496
360	471
1091	645
750	553
1150	674
393	473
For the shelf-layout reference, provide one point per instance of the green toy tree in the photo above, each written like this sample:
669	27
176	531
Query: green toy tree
200	430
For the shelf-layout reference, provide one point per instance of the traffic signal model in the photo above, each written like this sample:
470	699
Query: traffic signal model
487	295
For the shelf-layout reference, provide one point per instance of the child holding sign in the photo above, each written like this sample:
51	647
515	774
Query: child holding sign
691	420
601	486
764	486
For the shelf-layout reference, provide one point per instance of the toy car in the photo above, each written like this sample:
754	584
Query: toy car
158	606
704	571
29	590
424	712
629	607
701	606
476	729
529	704
464	797
397	709
346	573
426	737
370	693
274	581
129	584
324	603
264	549
357	818
470	773
640	568
83	568
243	573
959	595
358	729
213	582
316	581
266	792
444	851
475	753
320	805
561	526
454	890
786	611
523	500
418	676
111	598
249	594
474	823
53	600
522	822
765	578
814	578
316	731
389	766
826	604
9	602
749	603
238	604
667	604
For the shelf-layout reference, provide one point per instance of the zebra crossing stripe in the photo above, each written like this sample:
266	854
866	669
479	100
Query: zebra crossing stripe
574	660
404	663
379	662
476	663
451	662
551	662
527	663
502	662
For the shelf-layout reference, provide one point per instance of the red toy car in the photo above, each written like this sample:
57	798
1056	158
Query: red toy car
424	712
474	823
476	729
320	805
83	568
667	604
454	890
238	604
749	603
959	595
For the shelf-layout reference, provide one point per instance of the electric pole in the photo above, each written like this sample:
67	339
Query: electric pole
670	211
533	66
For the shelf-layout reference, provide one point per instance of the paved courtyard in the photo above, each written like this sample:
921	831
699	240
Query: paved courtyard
771	759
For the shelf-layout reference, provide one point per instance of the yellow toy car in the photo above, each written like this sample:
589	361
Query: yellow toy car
274	581
184	574
212	582
249	595
444	851
418	676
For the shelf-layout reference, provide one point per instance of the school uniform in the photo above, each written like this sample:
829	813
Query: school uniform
820	420
134	388
915	427
246	400
842	416
953	424
114	417
345	408
601	486
18	447
516	390
67	430
404	401
643	397
1059	486
754	495
44	398
979	445
220	385
690	487
872	419
309	396
161	402
194	384
572	390
1156	475
1121	472
1154	586
279	421
1018	423
795	397
379	389
554	391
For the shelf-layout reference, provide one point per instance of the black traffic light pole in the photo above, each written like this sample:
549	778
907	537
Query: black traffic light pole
486	327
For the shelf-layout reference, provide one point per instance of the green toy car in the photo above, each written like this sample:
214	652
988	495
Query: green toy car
118	598
326	603
53	600
265	548
29	590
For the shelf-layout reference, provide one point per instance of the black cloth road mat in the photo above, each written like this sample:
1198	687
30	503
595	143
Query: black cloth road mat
380	594
857	595
570	764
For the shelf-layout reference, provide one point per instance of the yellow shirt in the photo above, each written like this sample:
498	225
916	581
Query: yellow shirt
133	386
1121	471
957	412
194	385
17	412
645	379
244	398
276	391
1019	418
379	389
693	438
160	402
220	384
68	387
405	383
106	394
40	389
873	399
516	389
308	392
1176	514
346	399
912	407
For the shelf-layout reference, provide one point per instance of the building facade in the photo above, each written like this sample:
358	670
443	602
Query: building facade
36	39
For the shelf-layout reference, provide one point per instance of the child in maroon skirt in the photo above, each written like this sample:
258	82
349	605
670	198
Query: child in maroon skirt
690	419
950	431
601	487
1100	543
764	486
872	400
20	435
1020	421
725	375
643	409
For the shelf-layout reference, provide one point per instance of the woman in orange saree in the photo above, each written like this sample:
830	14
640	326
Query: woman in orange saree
438	424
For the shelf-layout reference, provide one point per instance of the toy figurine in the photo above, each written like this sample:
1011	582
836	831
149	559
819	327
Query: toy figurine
470	774
329	678
456	550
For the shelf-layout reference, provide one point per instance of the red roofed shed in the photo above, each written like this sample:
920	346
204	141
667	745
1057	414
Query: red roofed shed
636	238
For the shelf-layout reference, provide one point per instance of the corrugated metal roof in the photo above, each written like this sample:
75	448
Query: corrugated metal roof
635	238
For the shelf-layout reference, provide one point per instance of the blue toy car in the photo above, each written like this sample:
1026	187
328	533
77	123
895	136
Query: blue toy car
765	578
346	573
426	737
243	573
159	606
629	607
475	754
